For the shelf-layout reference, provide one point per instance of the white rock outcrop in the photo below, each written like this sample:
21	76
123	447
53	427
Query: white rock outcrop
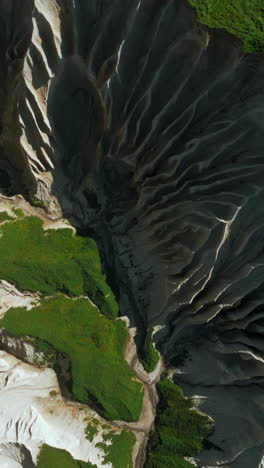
32	412
10	296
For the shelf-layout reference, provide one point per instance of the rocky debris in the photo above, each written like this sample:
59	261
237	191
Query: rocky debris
51	215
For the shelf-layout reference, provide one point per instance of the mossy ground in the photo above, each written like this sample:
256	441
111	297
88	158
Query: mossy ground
50	457
52	261
95	345
92	429
179	430
4	216
243	18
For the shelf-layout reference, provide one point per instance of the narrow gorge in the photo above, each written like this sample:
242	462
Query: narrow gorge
131	235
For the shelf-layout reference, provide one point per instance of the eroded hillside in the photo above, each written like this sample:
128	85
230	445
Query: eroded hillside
144	130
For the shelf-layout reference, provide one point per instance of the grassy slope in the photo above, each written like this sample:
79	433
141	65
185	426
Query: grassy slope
179	431
118	454
50	457
243	18
95	345
4	216
53	261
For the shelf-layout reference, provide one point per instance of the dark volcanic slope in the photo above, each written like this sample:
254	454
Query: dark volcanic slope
153	136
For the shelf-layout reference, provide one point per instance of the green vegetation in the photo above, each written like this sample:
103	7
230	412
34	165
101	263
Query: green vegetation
18	212
243	18
150	356
50	457
56	263
95	345
52	261
119	453
4	216
37	203
92	429
179	430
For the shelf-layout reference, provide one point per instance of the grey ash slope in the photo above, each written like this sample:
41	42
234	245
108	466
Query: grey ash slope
152	133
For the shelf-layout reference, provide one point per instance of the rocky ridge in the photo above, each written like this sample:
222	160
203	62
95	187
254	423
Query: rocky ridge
147	129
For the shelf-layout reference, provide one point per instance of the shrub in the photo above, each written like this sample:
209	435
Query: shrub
179	430
149	356
243	18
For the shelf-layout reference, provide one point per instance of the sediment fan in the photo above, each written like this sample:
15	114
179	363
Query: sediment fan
149	130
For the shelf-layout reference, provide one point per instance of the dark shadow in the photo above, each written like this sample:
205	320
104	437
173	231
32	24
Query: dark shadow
34	137
36	111
47	40
5	183
67	27
40	75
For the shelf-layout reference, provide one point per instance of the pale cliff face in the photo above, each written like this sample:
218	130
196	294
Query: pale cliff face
149	131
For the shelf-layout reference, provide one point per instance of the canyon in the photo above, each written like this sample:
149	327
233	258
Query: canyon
132	123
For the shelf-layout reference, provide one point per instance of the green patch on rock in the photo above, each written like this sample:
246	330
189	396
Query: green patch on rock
4	216
52	261
38	203
150	356
243	18
179	429
18	212
119	452
92	429
50	457
117	445
95	345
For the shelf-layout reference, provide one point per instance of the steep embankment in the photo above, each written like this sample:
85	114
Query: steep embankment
147	128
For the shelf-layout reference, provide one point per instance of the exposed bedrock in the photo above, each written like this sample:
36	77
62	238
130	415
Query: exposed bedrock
151	135
15	456
16	30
